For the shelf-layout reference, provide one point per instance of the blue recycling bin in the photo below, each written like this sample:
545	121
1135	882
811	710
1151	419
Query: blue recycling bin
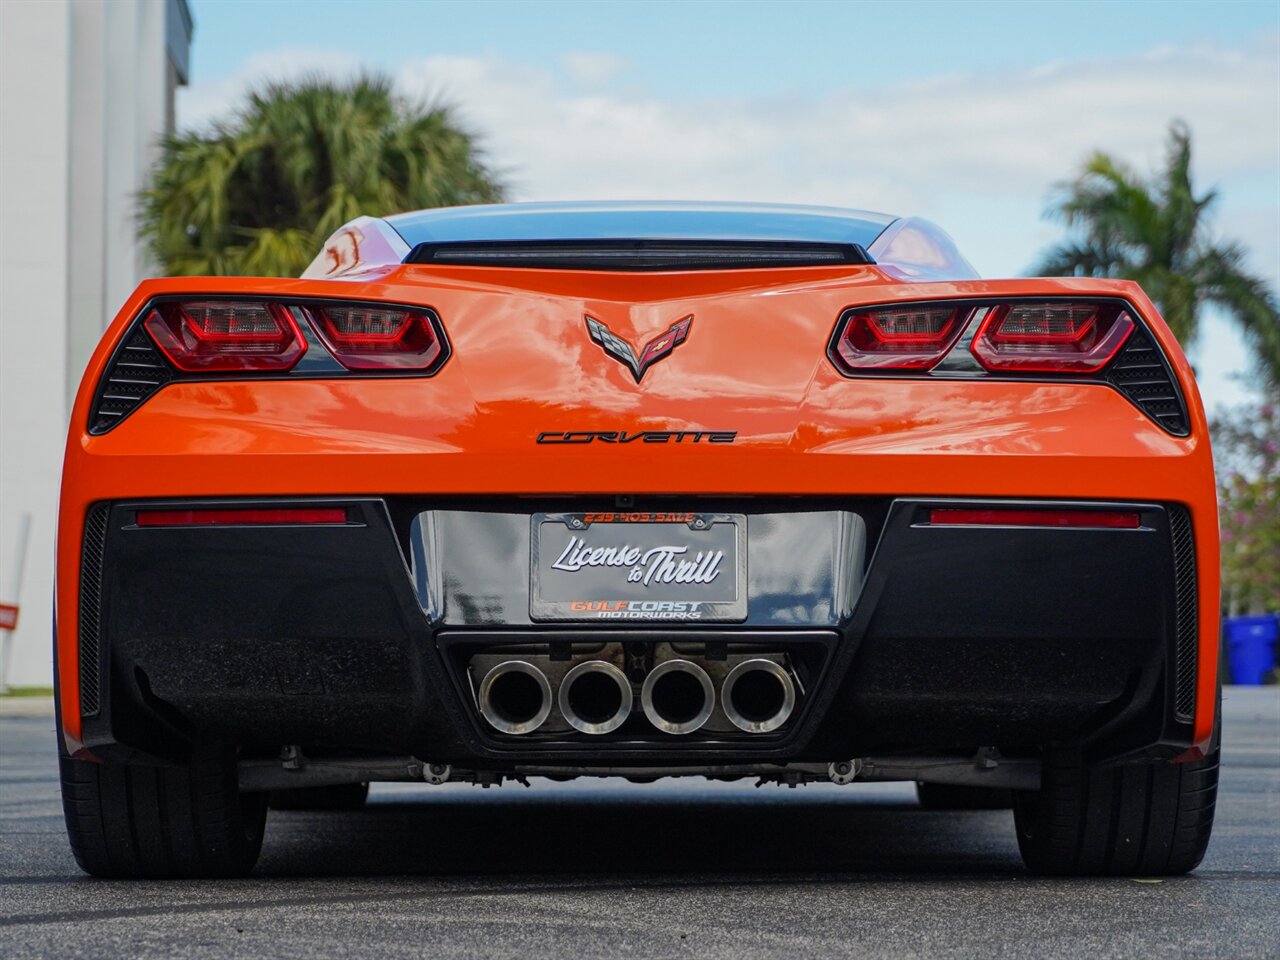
1251	647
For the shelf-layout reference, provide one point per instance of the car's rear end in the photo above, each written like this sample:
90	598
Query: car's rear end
641	504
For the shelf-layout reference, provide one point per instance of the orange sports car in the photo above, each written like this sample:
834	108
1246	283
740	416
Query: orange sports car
637	490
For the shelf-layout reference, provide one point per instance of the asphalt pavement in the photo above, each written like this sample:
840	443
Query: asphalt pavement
680	868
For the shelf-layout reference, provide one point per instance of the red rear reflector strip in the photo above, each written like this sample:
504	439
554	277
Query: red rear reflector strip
246	517
1034	518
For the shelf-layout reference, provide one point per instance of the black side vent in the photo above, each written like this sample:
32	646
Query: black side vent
135	372
90	613
639	254
1141	373
1184	573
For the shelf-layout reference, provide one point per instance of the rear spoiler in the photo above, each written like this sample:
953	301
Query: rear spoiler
909	249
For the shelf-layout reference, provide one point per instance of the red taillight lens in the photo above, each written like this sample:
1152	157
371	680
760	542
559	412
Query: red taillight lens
214	335
366	337
898	338
240	516
1012	517
1053	337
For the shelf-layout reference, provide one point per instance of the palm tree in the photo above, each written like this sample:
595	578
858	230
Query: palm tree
1155	232
259	193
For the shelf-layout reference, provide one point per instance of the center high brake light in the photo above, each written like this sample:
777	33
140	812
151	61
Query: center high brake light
221	335
1057	336
897	338
369	337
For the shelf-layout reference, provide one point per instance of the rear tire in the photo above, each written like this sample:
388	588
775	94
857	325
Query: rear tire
1142	820
950	796
342	796
191	820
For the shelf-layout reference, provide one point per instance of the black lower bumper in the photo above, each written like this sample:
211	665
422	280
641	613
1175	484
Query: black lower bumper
325	636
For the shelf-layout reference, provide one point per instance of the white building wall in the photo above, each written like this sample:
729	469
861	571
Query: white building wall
34	89
86	266
86	90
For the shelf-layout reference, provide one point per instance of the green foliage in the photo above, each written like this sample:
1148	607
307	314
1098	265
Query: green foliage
1155	231
260	193
1247	451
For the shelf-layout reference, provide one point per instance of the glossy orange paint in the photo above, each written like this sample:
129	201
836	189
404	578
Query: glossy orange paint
522	364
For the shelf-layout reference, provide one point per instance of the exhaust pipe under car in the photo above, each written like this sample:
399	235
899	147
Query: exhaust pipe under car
515	697
595	697
758	696
677	696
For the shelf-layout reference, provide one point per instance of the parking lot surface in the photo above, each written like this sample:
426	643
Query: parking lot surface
679	868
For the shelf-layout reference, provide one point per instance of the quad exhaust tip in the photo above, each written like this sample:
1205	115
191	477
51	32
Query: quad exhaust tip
515	697
595	697
677	696
758	696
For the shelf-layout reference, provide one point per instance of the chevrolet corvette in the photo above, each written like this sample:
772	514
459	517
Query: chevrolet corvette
640	491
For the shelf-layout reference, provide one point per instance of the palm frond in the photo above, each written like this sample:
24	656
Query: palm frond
1224	282
1153	231
294	162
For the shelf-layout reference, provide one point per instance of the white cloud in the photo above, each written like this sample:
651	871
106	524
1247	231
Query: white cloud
592	69
1014	131
981	148
1020	130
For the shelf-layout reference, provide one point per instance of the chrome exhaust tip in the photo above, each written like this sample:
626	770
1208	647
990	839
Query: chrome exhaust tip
515	697
595	697
758	696
677	696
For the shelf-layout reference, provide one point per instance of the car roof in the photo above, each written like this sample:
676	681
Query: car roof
640	221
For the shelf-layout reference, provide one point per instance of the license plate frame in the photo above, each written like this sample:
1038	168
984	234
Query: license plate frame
582	585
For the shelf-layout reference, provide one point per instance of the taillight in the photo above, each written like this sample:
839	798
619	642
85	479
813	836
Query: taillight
204	336
368	337
1057	336
216	335
897	338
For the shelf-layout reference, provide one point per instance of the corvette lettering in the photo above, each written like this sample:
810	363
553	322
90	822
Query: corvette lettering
657	565
640	436
657	348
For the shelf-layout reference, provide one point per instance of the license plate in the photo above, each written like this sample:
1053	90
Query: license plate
639	567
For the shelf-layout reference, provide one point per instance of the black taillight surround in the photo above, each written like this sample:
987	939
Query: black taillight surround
138	367
1139	370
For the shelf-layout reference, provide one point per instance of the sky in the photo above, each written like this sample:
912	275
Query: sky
964	113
